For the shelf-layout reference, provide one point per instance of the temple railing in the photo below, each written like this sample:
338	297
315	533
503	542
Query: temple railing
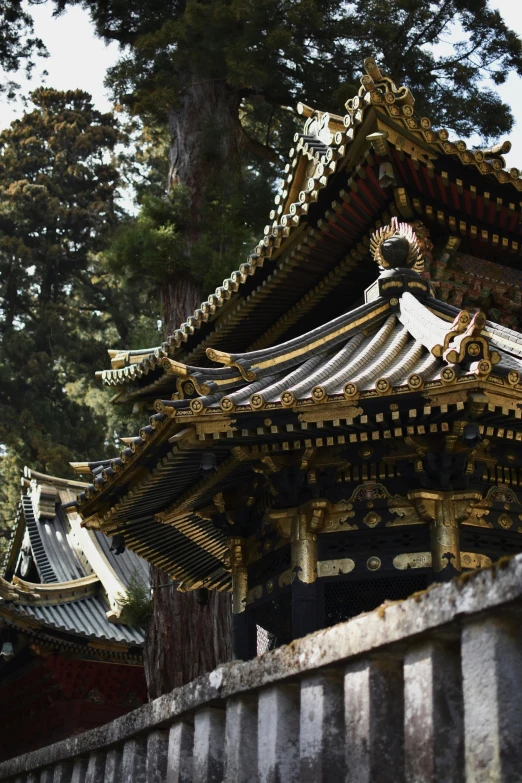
424	690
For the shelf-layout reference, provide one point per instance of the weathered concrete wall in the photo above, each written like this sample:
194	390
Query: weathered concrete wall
427	690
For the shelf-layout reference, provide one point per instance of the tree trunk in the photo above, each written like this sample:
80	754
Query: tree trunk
206	143
180	296
205	132
184	639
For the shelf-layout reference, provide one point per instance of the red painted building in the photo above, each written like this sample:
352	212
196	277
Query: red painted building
67	661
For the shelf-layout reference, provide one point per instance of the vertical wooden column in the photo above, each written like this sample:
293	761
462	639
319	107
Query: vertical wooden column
241	646
443	511
307	521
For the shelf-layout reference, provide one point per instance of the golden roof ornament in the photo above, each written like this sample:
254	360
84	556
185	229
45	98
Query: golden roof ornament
396	246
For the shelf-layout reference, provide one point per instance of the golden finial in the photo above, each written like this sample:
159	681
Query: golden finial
395	245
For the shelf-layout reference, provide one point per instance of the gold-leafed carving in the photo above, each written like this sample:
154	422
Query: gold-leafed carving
414	259
221	357
448	375
370	490
382	385
412	560
505	521
285	578
239	574
254	594
335	567
406	513
287	399
415	381
476	517
474	560
227	404
350	390
338	516
465	339
336	411
502	494
444	511
372	519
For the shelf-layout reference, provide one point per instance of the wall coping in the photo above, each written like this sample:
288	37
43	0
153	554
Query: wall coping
402	621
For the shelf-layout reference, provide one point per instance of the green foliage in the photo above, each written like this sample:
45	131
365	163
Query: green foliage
59	304
223	78
136	602
151	245
311	50
18	46
9	497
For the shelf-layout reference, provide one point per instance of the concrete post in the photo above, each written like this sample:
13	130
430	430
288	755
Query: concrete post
322	728
240	739
62	772
134	760
278	734
373	694
157	751
492	677
112	766
79	771
179	762
209	741
433	720
95	767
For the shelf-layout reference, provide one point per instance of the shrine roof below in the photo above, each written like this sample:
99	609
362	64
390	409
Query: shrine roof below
63	584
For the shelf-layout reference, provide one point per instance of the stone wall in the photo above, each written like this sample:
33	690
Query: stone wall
425	690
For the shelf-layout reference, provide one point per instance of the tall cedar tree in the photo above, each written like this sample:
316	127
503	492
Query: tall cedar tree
222	76
57	191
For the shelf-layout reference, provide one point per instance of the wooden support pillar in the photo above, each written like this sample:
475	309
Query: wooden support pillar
241	636
307	521
443	511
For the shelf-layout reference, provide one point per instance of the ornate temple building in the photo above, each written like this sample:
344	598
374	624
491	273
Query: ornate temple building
339	424
68	659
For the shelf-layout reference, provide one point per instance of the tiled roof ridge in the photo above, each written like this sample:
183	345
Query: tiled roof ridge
324	144
45	570
42	594
394	354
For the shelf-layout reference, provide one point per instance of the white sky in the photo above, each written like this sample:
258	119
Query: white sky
78	59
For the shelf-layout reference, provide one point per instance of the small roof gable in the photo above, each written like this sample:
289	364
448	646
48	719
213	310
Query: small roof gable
81	579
